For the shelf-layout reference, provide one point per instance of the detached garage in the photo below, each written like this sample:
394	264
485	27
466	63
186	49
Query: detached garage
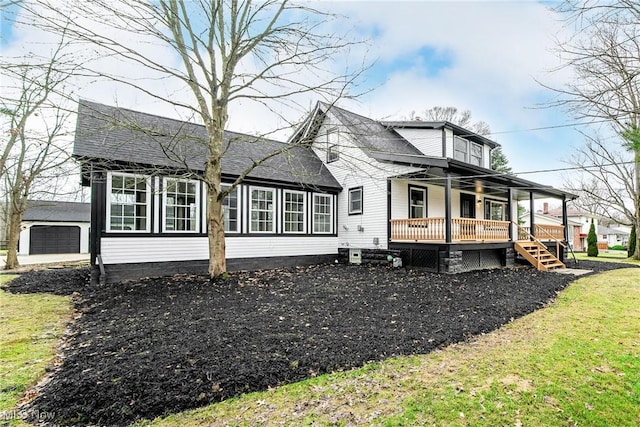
55	228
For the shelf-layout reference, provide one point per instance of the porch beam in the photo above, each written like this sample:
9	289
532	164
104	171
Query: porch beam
447	208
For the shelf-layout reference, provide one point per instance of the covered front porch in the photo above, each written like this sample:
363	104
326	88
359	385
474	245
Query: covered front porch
461	219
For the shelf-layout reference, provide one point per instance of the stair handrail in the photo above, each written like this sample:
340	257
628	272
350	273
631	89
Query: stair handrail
528	234
562	243
535	239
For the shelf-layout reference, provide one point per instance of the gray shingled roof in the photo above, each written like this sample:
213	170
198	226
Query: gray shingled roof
44	210
115	134
376	140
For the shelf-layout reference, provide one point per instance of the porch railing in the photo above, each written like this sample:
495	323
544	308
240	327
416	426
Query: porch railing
417	229
462	229
543	232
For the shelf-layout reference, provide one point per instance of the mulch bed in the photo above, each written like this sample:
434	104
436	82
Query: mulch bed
155	346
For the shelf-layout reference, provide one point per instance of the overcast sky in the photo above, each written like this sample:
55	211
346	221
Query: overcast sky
477	55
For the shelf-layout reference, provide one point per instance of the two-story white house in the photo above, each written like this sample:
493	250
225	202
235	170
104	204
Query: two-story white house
422	189
425	189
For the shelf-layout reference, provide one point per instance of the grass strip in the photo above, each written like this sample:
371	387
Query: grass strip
575	362
30	327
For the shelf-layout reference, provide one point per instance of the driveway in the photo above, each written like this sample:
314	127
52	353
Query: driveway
26	260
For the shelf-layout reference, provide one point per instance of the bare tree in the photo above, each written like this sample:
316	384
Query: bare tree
604	55
270	51
33	152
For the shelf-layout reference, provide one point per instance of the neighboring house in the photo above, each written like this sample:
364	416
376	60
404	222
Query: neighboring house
581	229
51	227
613	236
422	189
148	203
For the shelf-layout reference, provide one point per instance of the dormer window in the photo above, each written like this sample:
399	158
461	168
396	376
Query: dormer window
467	151
475	154
460	149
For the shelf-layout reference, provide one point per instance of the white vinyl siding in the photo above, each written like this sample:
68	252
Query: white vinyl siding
124	250
262	210
427	141
129	203
181	200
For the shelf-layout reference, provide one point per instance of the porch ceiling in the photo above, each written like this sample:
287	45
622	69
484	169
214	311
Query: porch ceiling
480	180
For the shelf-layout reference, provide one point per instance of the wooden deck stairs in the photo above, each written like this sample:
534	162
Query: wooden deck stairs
538	255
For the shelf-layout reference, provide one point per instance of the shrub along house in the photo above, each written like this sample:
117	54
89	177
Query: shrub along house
426	189
148	205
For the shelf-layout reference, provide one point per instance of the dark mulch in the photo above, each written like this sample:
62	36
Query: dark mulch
155	346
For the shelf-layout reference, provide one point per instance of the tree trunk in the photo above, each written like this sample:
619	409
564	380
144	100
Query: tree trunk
636	255
213	178
13	237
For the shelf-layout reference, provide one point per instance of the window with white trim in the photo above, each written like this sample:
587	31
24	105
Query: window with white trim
230	210
294	211
460	149
322	213
128	208
262	210
181	205
355	201
475	154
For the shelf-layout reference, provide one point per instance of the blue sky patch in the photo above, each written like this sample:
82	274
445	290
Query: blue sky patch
428	61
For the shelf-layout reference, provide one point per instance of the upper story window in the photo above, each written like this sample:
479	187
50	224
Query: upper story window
262	210
460	149
332	153
417	202
230	210
355	201
322	213
128	207
294	211
181	205
475	154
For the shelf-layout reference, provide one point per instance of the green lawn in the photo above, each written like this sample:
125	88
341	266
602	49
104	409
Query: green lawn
576	362
30	327
606	257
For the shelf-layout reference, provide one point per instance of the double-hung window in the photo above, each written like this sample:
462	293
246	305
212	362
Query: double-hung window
355	201
230	210
475	154
322	213
417	202
294	211
181	205
129	203
262	210
460	149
